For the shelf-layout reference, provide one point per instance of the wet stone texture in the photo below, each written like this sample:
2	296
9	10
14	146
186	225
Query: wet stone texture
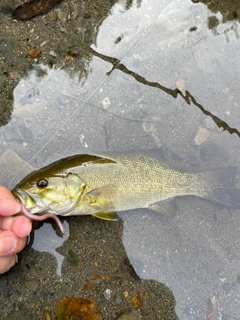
102	265
18	38
93	76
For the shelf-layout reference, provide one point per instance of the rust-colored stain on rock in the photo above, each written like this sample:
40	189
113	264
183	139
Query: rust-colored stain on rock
74	308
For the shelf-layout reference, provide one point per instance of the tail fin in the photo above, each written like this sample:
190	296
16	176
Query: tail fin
218	186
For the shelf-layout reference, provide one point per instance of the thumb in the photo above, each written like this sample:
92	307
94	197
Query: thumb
8	203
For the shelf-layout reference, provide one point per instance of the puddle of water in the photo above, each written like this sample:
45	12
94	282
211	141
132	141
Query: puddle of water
165	76
45	240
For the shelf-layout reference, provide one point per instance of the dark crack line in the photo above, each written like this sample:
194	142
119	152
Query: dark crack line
188	98
220	123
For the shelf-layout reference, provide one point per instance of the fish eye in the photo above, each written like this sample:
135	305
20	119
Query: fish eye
42	183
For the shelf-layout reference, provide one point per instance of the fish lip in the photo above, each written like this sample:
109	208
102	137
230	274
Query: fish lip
21	195
35	206
29	201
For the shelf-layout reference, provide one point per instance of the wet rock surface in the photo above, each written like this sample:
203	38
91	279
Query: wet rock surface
161	76
105	267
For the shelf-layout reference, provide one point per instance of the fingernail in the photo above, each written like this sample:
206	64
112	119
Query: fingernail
28	239
7	244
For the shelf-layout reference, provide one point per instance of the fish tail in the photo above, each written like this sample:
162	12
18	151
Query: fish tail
218	186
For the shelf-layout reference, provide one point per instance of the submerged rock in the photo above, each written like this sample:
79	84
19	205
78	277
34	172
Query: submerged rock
12	164
8	47
129	315
33	8
20	314
74	308
18	132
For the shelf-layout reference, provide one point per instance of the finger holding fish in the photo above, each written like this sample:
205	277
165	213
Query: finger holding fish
20	225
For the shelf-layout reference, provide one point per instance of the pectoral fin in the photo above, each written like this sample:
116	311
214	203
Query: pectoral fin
106	216
166	207
101	203
102	192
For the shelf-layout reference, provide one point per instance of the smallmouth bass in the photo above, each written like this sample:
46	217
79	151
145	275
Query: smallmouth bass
101	185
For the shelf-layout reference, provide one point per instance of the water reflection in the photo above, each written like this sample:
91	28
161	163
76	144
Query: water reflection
47	241
157	74
173	92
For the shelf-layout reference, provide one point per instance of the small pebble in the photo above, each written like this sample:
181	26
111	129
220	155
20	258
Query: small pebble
14	75
107	294
201	136
69	58
34	53
53	54
106	103
32	285
62	16
129	315
52	16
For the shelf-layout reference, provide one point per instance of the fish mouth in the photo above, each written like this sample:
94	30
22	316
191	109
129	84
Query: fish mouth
35	206
30	201
19	194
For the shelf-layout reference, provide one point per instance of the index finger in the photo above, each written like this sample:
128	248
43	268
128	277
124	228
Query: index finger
9	205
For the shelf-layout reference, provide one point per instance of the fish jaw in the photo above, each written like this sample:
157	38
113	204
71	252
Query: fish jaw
30	201
42	201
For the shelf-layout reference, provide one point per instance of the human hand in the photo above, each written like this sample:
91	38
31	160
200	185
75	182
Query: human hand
13	230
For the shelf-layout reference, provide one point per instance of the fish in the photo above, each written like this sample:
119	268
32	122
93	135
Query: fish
102	185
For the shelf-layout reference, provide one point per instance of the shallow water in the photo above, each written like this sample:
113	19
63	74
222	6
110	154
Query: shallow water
144	75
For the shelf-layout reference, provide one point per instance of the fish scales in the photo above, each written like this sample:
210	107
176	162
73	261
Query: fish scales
100	185
136	177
